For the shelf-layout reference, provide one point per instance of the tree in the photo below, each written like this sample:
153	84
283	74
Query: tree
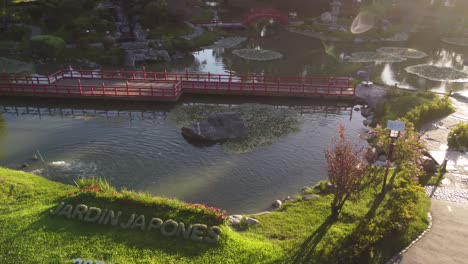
408	149
346	171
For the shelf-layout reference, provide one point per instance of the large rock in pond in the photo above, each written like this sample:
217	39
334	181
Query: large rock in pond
218	127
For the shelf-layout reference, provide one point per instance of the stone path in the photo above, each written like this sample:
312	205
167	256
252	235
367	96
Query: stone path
197	31
454	186
447	240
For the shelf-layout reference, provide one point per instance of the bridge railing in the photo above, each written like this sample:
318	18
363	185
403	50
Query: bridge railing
189	80
268	88
184	76
56	88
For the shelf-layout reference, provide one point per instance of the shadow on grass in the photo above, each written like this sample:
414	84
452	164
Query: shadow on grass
306	252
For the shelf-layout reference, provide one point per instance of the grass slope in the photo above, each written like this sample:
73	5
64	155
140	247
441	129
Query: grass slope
29	234
297	233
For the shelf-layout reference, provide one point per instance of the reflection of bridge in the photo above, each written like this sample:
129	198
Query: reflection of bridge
80	111
248	19
166	86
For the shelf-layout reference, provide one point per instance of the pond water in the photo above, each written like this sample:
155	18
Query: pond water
140	147
306	56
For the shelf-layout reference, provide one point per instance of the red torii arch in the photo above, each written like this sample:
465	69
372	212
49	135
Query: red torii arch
255	14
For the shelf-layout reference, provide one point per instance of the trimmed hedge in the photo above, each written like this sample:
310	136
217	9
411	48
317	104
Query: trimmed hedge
47	45
426	112
417	108
458	137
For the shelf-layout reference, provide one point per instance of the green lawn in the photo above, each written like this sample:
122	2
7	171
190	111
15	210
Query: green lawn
300	232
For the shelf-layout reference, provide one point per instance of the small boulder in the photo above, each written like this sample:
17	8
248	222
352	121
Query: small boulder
372	155
251	221
429	165
366	111
277	203
308	197
235	220
363	74
383	158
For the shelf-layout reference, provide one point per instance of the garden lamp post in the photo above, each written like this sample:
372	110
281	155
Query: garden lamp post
395	128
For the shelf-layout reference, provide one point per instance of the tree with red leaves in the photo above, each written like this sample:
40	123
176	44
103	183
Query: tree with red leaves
346	171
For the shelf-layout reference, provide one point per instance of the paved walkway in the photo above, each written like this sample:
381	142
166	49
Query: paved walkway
447	241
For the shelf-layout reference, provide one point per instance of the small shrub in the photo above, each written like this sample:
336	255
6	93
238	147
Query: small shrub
96	184
47	45
183	44
458	136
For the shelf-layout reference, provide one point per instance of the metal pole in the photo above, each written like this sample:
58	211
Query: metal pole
389	158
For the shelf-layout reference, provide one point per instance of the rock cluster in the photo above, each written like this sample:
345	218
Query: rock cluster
218	127
145	51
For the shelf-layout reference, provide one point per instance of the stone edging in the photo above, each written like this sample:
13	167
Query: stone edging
397	258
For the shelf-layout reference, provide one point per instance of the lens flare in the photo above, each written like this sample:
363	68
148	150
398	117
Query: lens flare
363	22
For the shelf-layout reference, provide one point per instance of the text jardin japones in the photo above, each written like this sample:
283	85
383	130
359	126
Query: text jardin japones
195	232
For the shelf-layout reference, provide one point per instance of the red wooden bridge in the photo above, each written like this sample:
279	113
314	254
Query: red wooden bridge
165	86
248	19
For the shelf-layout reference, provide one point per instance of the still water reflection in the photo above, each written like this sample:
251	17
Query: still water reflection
141	148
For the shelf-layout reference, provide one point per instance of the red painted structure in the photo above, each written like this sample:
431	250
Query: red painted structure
255	14
169	86
251	17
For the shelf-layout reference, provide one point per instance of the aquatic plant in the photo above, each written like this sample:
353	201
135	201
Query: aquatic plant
456	41
402	52
226	43
266	124
257	54
377	57
437	73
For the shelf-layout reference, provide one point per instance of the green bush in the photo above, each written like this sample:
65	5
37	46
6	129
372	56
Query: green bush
182	44
47	45
417	108
426	112
458	136
100	184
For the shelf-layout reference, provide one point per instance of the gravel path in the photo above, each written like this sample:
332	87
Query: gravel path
454	186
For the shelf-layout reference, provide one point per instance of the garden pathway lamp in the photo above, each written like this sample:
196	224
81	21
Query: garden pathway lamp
395	128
